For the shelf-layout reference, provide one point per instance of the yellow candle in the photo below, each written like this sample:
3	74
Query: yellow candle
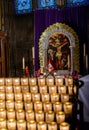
27	96
64	126
35	97
33	53
54	97
59	81
49	116
34	89
52	126
37	106
41	81
47	106
23	62
57	106
70	90
45	97
52	89
2	81
50	81
70	81
31	125
41	125
43	89
11	114
62	89
30	115
39	116
3	113
11	124
32	81
24	81
20	114
28	105
60	117
2	123
16	81
64	98
68	106
21	125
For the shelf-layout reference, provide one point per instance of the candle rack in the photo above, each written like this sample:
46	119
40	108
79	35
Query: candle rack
37	102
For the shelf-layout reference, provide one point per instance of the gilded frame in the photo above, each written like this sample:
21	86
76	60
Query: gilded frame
74	46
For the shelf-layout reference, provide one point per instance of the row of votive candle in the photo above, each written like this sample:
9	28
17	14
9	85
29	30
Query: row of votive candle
39	89
36	106
36	81
46	97
46	115
12	124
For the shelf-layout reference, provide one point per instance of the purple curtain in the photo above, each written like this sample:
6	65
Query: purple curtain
74	17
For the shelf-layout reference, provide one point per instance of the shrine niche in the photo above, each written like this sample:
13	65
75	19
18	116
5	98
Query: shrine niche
59	49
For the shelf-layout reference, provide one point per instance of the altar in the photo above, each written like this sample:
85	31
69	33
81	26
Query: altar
84	96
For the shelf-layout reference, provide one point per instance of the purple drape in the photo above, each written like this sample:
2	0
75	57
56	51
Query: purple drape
74	17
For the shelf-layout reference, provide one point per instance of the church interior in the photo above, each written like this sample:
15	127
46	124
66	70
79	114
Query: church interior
44	64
